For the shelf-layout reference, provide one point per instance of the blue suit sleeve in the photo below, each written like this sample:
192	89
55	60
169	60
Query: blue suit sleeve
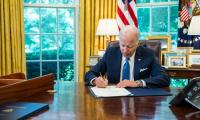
100	67
158	76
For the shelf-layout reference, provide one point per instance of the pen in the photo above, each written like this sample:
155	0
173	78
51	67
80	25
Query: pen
105	82
101	75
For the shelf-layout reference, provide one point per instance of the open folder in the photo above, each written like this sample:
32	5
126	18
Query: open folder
112	91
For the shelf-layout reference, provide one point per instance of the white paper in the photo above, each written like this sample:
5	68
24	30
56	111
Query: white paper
110	91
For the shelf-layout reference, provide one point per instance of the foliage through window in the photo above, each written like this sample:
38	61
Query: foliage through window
50	35
160	17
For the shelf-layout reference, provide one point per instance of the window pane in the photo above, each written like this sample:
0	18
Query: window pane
66	47
31	1
48	20
49	67
32	47
173	18
178	82
174	36
159	19
154	1
66	20
159	34
31	20
174	43
143	36
33	69
48	1
66	1
143	1
49	47
57	1
144	19
67	71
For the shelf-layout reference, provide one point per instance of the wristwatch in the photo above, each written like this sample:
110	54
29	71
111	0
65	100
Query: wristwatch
139	83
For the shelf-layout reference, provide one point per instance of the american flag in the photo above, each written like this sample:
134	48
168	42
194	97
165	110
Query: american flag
127	13
184	40
185	15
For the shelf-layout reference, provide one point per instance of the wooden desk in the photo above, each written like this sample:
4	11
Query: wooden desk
183	73
74	102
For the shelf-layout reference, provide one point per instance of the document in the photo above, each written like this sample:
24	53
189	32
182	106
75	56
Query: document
112	91
109	91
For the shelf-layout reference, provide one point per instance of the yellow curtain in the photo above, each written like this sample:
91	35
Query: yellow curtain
90	13
12	52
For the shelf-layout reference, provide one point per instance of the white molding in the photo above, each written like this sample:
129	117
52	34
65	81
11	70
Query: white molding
51	5
156	4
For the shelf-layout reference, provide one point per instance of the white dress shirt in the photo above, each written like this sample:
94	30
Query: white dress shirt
131	63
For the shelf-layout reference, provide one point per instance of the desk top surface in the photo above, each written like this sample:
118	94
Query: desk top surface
73	101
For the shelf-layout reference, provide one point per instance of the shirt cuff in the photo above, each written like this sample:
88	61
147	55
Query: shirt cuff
91	81
143	83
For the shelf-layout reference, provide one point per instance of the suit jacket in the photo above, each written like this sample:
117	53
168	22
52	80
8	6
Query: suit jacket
145	67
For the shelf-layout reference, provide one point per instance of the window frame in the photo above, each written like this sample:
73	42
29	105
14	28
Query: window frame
158	4
75	34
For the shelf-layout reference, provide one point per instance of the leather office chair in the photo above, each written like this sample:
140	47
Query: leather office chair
155	45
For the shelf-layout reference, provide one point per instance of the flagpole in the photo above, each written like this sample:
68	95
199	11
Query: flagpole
198	3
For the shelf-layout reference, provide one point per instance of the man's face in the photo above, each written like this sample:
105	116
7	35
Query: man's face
128	45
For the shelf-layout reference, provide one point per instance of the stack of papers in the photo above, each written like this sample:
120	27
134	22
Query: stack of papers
109	91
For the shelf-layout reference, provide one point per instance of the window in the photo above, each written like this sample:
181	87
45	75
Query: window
50	36
158	17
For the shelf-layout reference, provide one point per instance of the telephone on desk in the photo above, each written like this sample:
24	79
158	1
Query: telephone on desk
190	94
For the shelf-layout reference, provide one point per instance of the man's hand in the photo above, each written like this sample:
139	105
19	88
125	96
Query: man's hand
100	82
128	83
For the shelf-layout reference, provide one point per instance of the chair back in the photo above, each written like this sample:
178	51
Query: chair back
155	45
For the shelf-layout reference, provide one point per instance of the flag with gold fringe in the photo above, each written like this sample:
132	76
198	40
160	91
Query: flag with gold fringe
187	9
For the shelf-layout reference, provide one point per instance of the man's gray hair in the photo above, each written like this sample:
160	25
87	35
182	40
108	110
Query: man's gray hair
128	29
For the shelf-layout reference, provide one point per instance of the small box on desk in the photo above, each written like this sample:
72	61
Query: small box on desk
12	90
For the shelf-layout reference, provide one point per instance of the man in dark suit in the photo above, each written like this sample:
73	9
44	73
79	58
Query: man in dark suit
128	65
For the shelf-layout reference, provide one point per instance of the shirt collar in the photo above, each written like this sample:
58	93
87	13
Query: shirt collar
131	58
